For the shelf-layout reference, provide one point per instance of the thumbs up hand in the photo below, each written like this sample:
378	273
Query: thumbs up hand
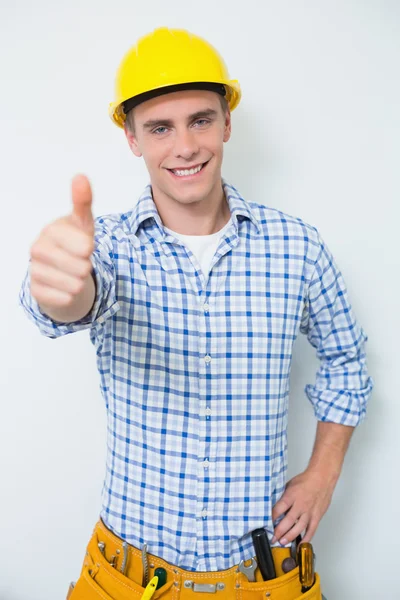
60	257
82	215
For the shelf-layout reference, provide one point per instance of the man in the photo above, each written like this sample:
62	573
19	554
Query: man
194	300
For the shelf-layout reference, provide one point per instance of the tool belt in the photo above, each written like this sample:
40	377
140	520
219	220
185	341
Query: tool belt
115	570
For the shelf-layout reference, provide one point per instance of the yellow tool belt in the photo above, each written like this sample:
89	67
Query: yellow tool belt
114	571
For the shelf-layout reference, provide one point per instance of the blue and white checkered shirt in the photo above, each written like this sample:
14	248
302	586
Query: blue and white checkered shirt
195	372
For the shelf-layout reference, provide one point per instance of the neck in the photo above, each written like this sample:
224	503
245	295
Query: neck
202	217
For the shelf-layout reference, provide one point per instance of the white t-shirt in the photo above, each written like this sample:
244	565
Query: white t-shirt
202	246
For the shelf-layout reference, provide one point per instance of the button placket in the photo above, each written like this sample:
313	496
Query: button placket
201	483
205	415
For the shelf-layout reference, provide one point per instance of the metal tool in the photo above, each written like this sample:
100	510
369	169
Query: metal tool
113	561
294	547
248	571
306	566
102	547
125	558
205	588
263	553
145	563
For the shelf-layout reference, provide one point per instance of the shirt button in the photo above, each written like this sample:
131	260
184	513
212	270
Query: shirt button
208	411
206	307
204	513
207	358
206	463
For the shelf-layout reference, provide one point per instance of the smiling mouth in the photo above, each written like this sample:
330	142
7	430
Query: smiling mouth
188	173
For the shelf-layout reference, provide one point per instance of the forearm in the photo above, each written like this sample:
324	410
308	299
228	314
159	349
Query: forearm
330	446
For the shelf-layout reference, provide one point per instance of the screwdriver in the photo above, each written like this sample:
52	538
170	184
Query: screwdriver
306	566
263	553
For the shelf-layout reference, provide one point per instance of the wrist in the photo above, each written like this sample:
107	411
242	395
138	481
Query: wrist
325	475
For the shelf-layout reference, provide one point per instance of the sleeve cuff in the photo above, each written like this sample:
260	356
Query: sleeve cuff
105	305
346	407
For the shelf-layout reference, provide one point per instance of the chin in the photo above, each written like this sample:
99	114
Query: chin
190	197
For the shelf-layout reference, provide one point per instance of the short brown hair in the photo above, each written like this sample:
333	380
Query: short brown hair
130	119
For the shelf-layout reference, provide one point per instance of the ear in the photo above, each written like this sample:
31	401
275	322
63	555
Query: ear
132	141
228	125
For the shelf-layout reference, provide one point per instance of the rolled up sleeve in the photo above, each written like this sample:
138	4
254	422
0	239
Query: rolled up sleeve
105	304
342	386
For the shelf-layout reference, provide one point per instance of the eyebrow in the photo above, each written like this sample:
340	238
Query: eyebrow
209	112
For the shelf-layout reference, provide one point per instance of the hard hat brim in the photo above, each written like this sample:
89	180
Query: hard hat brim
232	88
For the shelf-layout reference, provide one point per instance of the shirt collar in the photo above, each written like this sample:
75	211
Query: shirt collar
145	212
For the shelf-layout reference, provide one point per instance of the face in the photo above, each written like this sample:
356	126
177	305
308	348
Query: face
178	131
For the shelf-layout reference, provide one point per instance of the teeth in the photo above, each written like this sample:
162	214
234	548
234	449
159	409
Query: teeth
186	172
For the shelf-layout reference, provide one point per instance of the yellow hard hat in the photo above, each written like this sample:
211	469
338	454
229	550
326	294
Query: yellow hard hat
169	57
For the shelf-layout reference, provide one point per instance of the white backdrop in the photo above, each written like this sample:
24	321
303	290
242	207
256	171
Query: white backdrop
318	128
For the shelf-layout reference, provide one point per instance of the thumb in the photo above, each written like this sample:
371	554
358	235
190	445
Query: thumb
82	203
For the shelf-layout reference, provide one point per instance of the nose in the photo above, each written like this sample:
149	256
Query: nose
186	145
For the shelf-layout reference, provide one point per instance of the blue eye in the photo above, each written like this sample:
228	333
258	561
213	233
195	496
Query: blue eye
200	122
158	128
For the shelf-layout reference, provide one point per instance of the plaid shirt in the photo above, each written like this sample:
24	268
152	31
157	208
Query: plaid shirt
194	371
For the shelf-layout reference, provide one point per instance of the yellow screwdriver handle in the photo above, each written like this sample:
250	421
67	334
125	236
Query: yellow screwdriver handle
306	564
150	588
